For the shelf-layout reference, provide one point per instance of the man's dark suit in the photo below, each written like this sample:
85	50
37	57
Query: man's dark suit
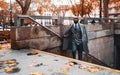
68	39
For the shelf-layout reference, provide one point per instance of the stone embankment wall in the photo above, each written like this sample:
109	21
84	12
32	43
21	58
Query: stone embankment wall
33	37
101	41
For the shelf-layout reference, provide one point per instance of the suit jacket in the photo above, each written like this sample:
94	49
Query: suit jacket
67	39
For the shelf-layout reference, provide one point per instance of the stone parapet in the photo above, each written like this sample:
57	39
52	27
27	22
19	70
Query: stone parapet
100	39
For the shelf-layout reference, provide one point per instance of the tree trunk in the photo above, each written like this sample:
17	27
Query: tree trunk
82	8
24	6
24	12
106	13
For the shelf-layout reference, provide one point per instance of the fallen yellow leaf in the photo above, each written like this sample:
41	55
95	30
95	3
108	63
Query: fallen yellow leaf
0	47
36	73
34	52
99	67
8	69
11	65
11	61
83	67
70	63
93	70
7	52
64	69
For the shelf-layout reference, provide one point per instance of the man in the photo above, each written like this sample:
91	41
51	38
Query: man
75	38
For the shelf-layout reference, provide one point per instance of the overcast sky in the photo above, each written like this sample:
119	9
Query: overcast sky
56	2
9	0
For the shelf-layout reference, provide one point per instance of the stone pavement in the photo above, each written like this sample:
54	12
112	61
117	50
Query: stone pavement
34	62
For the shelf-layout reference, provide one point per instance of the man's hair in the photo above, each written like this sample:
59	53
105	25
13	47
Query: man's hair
75	18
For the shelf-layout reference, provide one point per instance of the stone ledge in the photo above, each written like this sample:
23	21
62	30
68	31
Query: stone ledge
117	26
25	33
98	34
93	27
117	31
39	43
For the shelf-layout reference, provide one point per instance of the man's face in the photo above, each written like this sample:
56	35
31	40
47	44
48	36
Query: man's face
76	20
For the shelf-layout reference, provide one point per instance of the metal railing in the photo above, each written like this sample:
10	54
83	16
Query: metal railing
97	60
60	20
29	17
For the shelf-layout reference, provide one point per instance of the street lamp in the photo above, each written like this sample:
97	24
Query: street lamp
11	23
100	10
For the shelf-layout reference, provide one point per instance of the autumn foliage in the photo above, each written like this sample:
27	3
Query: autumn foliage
4	35
84	7
3	4
76	9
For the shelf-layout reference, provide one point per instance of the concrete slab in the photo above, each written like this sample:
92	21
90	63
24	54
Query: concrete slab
43	63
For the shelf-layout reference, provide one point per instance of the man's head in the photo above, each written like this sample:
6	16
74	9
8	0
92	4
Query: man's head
76	20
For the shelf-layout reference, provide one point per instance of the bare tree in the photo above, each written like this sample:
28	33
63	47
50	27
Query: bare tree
24	4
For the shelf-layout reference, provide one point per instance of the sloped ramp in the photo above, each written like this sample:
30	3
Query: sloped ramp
33	62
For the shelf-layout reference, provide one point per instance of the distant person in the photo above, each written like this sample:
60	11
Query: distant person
93	21
82	21
75	38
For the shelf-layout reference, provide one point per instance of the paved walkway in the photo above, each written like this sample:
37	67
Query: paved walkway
33	62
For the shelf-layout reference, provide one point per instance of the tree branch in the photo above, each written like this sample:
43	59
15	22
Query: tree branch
20	3
27	4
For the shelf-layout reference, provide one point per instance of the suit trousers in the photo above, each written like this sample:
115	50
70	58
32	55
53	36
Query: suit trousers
78	48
